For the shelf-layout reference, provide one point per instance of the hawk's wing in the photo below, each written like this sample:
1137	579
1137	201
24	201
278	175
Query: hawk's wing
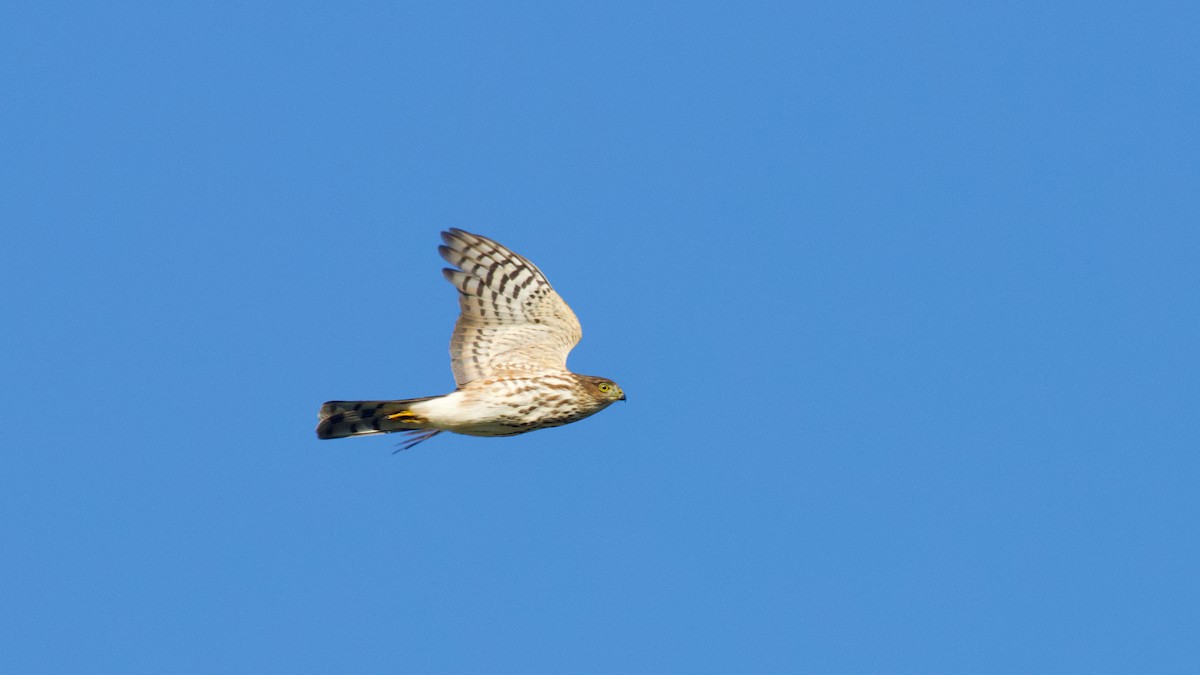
511	322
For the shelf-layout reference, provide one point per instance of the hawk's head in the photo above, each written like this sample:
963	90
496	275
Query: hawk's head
602	388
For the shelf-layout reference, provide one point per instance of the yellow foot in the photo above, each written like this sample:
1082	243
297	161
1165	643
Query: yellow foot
405	417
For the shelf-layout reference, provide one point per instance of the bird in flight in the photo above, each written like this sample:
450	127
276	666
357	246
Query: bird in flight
508	353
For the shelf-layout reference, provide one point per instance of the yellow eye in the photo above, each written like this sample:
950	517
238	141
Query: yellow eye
604	387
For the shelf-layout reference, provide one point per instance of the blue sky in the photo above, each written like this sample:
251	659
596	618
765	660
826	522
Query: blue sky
903	296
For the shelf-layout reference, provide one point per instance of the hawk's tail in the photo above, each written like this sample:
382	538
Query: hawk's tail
340	419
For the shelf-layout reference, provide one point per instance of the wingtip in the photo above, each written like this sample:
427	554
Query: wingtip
455	233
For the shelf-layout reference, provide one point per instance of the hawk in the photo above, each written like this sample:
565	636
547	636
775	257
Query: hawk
508	353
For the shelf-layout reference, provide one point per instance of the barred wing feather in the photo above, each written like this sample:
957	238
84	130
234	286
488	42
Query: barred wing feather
511	321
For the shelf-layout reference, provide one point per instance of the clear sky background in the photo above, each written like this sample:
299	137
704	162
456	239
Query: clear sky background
903	296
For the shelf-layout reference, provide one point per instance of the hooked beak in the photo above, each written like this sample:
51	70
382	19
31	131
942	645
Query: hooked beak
622	397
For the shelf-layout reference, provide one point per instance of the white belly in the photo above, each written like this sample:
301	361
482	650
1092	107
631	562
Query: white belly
507	408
